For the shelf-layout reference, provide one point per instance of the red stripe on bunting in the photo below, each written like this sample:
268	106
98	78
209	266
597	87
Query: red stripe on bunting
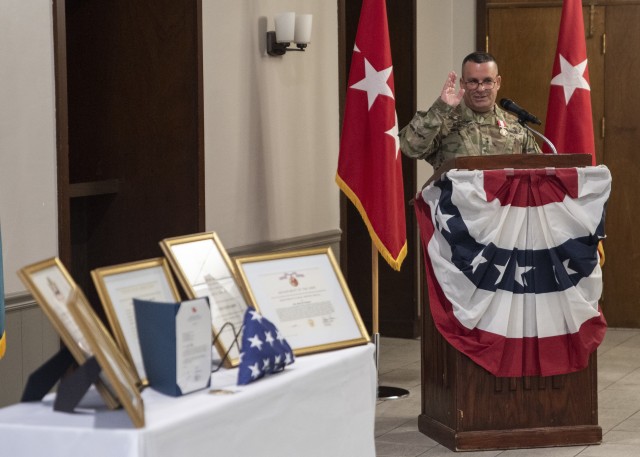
535	187
502	356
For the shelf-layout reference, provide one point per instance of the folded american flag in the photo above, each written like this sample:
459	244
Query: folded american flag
512	265
264	350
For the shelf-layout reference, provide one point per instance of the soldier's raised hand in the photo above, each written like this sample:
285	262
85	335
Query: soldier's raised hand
449	94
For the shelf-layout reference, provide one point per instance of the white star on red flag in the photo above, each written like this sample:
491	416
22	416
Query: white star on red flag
569	126
393	133
571	78
374	82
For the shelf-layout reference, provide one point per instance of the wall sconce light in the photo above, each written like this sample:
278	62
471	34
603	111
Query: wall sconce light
289	27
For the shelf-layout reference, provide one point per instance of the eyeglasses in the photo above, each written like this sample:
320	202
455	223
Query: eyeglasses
473	84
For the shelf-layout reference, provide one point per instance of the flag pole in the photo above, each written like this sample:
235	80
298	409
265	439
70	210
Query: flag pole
384	392
374	288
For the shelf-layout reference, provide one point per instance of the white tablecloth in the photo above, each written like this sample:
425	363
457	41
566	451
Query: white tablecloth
323	405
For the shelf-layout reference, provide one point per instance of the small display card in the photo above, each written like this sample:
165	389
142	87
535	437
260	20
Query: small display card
176	344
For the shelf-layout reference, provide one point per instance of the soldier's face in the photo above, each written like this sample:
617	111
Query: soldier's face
482	98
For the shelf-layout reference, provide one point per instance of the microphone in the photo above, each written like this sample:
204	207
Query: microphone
523	116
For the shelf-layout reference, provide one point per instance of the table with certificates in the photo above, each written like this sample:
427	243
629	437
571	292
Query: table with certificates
322	405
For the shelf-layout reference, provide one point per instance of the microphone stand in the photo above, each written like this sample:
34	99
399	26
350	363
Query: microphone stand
522	122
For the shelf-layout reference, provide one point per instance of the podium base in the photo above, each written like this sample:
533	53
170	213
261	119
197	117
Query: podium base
391	393
516	438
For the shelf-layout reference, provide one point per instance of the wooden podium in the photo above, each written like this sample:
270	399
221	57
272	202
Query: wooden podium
464	407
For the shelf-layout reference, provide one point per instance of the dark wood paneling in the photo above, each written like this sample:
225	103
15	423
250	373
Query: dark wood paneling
622	140
135	129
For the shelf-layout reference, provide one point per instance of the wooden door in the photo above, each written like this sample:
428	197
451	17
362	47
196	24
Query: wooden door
130	129
523	38
622	143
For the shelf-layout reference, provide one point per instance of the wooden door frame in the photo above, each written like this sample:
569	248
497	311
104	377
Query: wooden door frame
62	129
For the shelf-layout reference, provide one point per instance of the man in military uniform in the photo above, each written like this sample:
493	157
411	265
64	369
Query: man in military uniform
467	122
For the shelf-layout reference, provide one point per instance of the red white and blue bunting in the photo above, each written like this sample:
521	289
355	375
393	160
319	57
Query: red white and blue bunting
512	265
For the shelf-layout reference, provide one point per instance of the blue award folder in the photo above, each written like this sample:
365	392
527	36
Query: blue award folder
176	344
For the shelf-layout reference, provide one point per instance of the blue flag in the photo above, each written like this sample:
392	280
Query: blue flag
3	336
264	350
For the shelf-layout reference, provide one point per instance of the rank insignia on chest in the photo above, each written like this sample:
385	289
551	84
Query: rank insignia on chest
503	129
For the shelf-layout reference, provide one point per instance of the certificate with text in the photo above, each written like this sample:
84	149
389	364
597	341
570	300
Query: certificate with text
51	285
205	270
118	285
305	296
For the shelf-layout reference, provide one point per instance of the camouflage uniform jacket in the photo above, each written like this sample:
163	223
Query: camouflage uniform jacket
445	132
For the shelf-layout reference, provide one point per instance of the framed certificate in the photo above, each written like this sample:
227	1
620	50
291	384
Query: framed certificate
305	295
119	373
51	285
204	269
118	285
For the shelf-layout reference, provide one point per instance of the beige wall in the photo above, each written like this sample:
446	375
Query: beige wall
445	35
271	124
271	136
28	205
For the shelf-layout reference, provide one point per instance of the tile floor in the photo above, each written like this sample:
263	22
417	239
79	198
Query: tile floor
397	432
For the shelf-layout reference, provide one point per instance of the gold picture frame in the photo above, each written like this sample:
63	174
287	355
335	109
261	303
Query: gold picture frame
119	373
118	285
304	294
204	269
51	285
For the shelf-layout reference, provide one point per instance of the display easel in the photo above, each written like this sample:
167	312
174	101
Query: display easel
236	335
74	381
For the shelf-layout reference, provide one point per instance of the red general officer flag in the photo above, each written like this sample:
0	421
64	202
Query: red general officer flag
569	124
370	165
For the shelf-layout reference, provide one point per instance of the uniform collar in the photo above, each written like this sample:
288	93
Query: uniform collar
489	117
